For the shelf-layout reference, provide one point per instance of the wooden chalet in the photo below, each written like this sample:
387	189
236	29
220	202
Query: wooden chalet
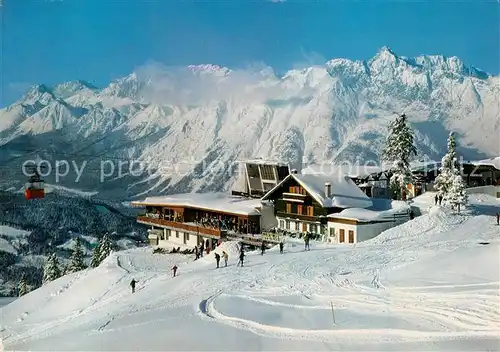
303	202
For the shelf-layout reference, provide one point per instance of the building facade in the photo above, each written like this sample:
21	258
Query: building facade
303	202
190	219
359	228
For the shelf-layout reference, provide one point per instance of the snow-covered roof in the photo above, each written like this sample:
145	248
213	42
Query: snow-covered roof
428	165
364	215
495	162
353	171
210	201
344	192
260	161
433	165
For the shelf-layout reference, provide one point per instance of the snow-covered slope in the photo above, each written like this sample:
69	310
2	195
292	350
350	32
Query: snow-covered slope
183	122
431	283
30	230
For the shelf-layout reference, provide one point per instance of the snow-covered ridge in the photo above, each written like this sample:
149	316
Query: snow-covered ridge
205	115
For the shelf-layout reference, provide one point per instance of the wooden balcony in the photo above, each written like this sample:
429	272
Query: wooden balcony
283	214
180	226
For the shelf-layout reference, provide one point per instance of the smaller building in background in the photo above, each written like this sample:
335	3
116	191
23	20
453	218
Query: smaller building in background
475	174
259	176
357	225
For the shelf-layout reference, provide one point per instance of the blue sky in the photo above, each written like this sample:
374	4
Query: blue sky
50	41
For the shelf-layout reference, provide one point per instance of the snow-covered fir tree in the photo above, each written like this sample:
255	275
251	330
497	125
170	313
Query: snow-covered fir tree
398	151
96	255
105	249
23	287
456	195
449	169
51	271
77	257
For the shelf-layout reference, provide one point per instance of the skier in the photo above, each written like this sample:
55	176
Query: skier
242	256
306	242
196	253
281	247
440	199
217	259
498	219
202	248
226	258
174	269
263	247
132	284
436	198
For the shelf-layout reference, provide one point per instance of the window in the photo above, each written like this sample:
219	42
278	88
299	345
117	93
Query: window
187	236
296	190
314	228
299	209
297	226
282	224
176	234
294	209
288	208
351	236
288	224
267	172
253	170
310	211
332	232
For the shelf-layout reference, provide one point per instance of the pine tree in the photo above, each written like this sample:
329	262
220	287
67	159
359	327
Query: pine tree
105	249
23	287
96	255
398	151
77	263
457	195
51	270
449	169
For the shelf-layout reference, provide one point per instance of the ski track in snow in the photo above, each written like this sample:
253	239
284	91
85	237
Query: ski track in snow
360	282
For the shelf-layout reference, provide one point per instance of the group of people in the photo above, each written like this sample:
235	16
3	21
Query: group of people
201	248
224	255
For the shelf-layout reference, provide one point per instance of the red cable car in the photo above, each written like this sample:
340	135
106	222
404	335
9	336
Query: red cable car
34	188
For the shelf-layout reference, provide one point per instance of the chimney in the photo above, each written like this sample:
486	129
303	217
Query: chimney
328	189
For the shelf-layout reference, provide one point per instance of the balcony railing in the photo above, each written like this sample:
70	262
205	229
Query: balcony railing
180	226
284	214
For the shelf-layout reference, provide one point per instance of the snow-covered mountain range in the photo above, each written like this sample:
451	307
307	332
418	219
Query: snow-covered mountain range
184	122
